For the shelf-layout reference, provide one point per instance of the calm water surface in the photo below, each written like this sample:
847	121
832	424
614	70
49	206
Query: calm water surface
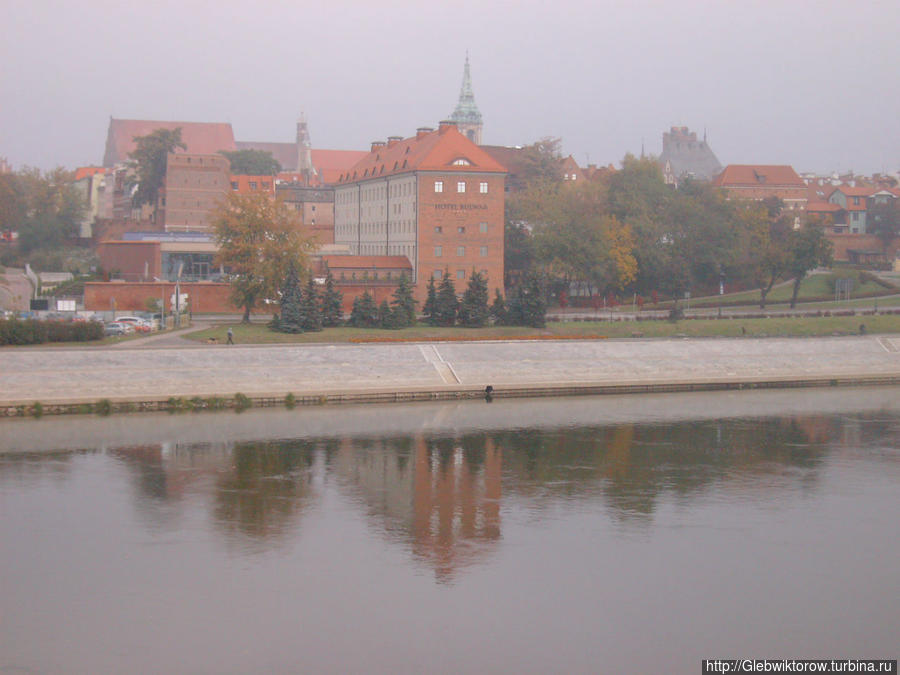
632	534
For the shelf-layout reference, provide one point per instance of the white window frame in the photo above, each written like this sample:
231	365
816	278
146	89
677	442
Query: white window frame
438	186
483	188
461	186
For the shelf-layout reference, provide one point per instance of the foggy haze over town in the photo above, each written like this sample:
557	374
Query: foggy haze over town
810	84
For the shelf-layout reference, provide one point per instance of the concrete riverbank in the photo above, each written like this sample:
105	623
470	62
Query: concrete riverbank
148	378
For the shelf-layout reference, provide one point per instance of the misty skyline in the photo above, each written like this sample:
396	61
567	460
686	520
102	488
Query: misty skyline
811	84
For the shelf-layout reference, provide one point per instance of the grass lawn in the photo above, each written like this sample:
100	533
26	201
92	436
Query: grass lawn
773	327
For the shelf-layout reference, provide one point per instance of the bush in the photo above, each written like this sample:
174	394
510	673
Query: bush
31	331
241	402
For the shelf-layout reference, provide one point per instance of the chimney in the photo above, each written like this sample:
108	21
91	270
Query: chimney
377	145
423	131
443	125
393	140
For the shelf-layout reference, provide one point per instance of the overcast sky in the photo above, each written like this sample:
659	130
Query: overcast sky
811	84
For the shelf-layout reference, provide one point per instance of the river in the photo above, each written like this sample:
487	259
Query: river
579	535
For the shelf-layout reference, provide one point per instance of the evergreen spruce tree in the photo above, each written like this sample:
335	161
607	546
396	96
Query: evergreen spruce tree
332	303
528	306
365	312
403	304
446	304
291	320
384	315
473	310
430	302
312	308
498	309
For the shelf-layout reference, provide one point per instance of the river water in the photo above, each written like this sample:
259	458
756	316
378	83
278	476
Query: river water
582	535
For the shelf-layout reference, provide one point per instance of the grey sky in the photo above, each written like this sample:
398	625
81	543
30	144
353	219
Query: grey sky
812	84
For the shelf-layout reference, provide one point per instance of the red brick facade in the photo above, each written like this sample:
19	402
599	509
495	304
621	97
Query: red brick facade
133	297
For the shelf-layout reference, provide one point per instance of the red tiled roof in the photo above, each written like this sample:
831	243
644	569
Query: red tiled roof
743	175
244	187
823	207
368	261
848	191
83	171
204	138
331	163
428	151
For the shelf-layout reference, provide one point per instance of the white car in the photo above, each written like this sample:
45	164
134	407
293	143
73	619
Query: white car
138	324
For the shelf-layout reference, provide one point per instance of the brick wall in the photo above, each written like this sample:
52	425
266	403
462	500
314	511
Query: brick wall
451	210
203	296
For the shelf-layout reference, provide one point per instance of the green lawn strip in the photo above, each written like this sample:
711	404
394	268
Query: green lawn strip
737	327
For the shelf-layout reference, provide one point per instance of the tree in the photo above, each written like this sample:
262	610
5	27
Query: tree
258	239
528	306
364	313
149	163
883	220
473	310
430	302
291	320
385	317
252	162
50	208
765	251
498	309
332	303
311	307
446	304
403	304
12	203
809	250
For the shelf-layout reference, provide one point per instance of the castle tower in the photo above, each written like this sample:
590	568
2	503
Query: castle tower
467	116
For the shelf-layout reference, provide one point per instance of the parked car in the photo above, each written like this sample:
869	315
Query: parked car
116	328
137	323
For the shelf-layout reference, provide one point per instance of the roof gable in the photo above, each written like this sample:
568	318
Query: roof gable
757	175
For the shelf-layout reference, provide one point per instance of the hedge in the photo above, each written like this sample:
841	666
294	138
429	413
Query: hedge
32	332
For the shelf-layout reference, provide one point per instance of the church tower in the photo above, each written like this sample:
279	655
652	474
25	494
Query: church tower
304	152
467	116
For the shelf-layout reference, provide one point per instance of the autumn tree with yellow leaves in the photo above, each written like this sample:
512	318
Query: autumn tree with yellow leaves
259	238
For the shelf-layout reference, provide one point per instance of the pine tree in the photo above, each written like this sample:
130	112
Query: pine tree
332	303
403	304
430	302
498	309
365	312
384	315
312	308
446	304
291	320
528	306
473	310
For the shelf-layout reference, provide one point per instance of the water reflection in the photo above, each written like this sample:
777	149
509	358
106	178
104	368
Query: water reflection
441	494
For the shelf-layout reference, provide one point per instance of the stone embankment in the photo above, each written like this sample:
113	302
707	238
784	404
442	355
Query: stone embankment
219	376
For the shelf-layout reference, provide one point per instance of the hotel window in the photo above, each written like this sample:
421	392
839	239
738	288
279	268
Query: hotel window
252	184
482	251
856	201
460	274
438	229
438	251
461	229
266	185
438	186
460	251
461	186
482	188
482	227
234	185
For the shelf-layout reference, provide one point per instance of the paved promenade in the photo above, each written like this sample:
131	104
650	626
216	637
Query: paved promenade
150	372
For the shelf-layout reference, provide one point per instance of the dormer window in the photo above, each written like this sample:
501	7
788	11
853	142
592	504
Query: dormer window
462	161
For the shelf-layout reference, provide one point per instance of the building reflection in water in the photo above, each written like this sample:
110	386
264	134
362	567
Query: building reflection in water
440	493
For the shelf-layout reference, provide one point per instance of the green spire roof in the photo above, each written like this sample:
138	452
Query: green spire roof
466	110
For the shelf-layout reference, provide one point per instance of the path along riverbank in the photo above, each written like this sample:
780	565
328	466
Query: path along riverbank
154	378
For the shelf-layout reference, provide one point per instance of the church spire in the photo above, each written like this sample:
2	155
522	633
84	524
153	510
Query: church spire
466	115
